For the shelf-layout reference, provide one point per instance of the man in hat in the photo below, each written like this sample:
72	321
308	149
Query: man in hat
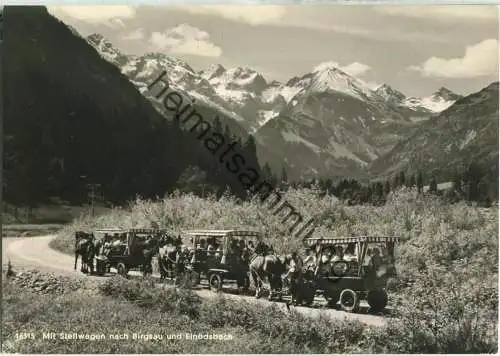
294	275
180	262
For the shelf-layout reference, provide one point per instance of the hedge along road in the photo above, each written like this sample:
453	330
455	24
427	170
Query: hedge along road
34	252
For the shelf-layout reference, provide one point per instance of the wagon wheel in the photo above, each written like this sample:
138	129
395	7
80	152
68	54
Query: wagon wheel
349	300
122	269
377	300
215	282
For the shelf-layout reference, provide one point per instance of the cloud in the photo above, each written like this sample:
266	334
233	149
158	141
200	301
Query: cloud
135	35
442	13
116	23
185	39
254	15
356	69
320	18
106	14
479	60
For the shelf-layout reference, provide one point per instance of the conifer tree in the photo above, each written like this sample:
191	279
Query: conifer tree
420	182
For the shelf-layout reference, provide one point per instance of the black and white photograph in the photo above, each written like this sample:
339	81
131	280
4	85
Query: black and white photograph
249	178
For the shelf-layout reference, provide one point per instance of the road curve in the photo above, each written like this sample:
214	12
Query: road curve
34	252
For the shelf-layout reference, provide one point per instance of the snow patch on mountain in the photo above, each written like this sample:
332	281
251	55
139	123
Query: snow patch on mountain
266	116
468	138
433	104
291	137
340	151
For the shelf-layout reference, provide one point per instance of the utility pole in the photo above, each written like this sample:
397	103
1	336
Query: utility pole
92	195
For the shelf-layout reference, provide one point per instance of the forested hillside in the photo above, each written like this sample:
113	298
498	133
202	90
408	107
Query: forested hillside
72	119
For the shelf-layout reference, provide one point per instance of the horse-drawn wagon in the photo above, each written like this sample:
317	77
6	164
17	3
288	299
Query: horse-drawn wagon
127	249
357	271
219	256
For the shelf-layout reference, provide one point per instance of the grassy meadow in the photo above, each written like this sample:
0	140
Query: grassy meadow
447	286
122	307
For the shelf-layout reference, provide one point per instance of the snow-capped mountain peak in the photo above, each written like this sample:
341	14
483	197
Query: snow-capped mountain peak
243	78
326	66
440	100
323	121
445	94
327	77
389	93
105	48
214	71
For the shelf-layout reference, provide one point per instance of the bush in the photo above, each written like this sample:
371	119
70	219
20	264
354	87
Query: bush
145	294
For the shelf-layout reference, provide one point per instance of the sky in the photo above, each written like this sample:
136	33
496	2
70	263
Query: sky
415	49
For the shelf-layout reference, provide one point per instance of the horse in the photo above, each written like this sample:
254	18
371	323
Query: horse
168	260
84	247
142	254
268	266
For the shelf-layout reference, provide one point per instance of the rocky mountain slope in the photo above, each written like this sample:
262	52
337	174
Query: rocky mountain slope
142	70
322	123
465	132
333	124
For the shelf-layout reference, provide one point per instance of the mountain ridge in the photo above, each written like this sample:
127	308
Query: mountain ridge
450	140
321	123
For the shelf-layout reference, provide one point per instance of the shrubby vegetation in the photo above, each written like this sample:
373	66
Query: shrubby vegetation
447	286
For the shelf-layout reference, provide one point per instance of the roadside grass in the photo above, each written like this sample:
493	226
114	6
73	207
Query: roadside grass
120	306
57	212
447	284
24	230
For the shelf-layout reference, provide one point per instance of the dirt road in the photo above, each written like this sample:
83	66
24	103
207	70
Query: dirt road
34	252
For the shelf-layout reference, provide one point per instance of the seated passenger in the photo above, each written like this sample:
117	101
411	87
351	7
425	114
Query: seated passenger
326	256
323	268
349	254
376	260
310	260
339	255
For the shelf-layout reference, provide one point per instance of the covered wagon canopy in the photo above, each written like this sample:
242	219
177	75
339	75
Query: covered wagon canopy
221	233
351	239
140	231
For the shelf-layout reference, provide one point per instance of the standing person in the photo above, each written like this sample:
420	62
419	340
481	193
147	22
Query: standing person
180	263
294	275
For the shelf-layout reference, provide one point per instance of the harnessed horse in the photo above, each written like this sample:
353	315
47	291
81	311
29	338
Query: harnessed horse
84	247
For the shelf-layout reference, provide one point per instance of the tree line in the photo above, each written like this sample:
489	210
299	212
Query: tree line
472	183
